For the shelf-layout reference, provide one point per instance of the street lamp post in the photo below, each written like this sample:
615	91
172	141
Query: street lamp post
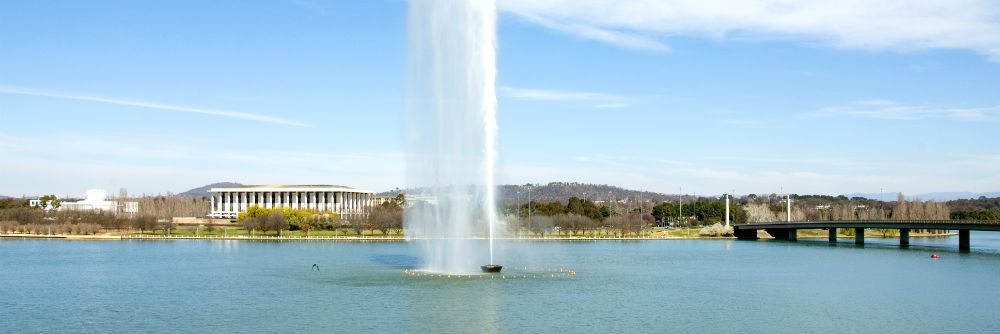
529	207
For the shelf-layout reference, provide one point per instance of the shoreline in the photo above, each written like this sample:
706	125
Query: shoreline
105	237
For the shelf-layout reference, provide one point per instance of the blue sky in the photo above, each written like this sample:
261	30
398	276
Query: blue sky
706	95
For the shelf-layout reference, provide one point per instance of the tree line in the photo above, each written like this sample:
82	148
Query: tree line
383	218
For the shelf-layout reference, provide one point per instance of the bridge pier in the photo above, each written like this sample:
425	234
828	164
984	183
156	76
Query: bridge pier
904	237
832	234
963	240
789	234
859	235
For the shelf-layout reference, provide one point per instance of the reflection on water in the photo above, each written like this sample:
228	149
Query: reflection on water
225	246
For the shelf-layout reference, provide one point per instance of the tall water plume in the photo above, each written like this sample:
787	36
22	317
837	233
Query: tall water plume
451	131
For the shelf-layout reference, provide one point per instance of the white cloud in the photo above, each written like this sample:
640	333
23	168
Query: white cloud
73	163
151	105
553	95
976	173
886	109
855	24
623	39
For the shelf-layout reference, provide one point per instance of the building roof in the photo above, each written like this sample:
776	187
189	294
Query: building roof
319	187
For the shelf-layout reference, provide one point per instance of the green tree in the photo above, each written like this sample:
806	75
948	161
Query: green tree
50	201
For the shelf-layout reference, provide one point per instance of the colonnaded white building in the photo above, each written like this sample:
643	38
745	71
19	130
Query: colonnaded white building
229	202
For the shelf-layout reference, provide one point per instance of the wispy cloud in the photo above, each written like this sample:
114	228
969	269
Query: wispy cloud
154	164
554	95
150	105
887	109
849	24
600	100
624	39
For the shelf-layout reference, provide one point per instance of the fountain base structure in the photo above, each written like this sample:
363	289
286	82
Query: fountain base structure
491	268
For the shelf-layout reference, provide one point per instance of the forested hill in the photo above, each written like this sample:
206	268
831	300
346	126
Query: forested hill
203	190
562	191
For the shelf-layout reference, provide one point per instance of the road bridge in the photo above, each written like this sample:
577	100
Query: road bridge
788	230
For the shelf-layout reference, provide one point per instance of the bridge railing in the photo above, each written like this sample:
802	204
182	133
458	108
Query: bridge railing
883	221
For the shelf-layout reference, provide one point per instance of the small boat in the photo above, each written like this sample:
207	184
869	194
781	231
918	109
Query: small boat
491	268
933	256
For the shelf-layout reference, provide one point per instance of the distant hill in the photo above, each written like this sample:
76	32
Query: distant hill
562	191
203	190
4	197
936	196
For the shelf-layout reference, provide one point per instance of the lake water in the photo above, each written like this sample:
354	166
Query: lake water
643	286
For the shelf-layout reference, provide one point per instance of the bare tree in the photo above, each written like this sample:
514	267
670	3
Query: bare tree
277	222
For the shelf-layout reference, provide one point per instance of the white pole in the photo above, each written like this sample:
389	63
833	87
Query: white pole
789	212
727	211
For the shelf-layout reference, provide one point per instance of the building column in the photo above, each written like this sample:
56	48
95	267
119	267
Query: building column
832	234
338	201
322	201
859	235
904	237
212	205
963	240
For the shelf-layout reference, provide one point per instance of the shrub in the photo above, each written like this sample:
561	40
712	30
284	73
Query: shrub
716	230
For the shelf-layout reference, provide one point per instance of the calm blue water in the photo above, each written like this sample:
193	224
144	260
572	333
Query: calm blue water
647	286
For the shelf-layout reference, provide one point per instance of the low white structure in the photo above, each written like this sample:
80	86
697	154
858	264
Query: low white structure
97	200
229	202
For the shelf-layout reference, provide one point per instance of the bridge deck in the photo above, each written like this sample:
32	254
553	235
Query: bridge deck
974	225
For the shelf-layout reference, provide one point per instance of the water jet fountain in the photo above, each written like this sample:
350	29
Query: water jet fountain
451	132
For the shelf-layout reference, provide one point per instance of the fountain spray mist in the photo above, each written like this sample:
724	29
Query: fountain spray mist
451	131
